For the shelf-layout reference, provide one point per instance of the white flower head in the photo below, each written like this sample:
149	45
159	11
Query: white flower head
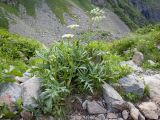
73	26
67	36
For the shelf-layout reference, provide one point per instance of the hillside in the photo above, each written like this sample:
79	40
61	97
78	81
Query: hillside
135	13
47	20
72	60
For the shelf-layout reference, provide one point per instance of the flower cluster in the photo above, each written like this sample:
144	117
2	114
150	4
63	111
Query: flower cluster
96	11
67	36
98	18
97	14
73	26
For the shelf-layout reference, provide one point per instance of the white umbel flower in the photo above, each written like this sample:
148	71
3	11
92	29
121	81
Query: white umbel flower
73	26
67	36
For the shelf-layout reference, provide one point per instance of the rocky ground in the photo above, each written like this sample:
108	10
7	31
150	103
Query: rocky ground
109	106
46	27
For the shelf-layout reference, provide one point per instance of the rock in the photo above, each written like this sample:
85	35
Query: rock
125	114
76	117
84	104
120	119
21	79
132	84
158	46
27	74
120	105
151	62
132	65
110	94
46	118
31	89
141	117
149	109
9	94
153	83
26	115
95	108
138	58
134	113
112	116
101	117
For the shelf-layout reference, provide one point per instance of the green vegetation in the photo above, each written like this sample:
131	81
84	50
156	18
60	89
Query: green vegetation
144	40
30	5
15	53
3	20
74	68
59	8
84	4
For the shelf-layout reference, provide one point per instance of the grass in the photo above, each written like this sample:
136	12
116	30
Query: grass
3	20
59	8
15	53
30	6
84	4
144	40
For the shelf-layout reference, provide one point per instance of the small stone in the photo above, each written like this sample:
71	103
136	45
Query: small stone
120	119
26	115
76	117
134	113
84	104
141	117
101	117
95	108
138	58
120	105
125	114
149	109
46	118
112	116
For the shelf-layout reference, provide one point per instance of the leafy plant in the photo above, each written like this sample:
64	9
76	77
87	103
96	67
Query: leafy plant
72	67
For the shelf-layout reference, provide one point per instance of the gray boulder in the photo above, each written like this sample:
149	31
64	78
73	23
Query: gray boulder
110	95
9	94
31	90
95	108
132	84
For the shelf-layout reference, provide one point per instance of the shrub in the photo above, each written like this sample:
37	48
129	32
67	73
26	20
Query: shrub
74	68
